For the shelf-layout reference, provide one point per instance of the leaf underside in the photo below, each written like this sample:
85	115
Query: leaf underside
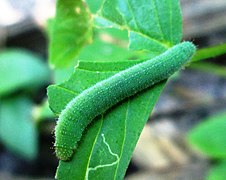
106	147
153	25
123	122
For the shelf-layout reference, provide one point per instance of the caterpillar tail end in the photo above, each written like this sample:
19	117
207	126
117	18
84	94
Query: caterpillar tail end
64	154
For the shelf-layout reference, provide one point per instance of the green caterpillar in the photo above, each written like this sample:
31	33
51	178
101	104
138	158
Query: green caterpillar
95	100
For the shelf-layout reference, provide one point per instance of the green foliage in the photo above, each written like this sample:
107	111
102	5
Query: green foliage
100	50
209	68
20	69
210	136
94	6
113	90
17	130
71	28
218	172
122	119
209	52
153	25
103	153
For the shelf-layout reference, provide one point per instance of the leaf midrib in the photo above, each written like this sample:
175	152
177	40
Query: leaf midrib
124	137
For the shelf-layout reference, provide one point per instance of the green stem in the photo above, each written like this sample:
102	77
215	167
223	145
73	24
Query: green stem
209	52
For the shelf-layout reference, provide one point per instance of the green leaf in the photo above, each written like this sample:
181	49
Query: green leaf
209	52
107	145
218	172
62	74
210	136
110	45
94	6
101	146
17	130
103	51
212	68
153	25
69	32
100	50
107	45
118	34
21	69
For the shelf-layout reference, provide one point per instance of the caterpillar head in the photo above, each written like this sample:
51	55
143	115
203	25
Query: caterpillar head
63	153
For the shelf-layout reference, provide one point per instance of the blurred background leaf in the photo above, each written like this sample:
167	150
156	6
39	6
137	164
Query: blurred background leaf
20	69
209	52
210	136
17	129
217	172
